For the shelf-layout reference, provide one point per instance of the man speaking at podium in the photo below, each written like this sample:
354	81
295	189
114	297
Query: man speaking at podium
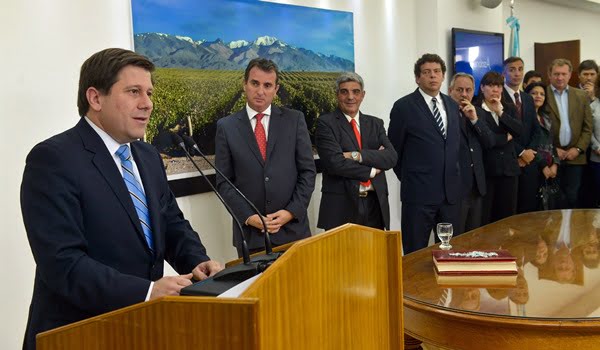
98	211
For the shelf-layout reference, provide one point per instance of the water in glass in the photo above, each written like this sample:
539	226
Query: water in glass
444	232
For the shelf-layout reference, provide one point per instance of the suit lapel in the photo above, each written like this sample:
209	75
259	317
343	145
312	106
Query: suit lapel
275	125
149	182
105	165
420	101
246	133
552	102
347	127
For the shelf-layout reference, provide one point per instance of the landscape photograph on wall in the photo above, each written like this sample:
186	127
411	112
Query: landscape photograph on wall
201	48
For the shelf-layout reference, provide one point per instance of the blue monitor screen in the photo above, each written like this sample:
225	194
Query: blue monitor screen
477	53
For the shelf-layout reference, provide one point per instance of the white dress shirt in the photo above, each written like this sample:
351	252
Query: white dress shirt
265	120
440	106
373	170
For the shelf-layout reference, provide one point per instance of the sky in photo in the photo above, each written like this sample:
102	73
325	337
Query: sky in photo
323	31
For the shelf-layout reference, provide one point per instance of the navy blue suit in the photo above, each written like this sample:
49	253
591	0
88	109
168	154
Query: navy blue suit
528	180
285	180
474	139
84	232
427	167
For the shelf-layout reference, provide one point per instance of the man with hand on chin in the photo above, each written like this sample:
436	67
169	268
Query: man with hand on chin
355	152
99	213
475	137
266	152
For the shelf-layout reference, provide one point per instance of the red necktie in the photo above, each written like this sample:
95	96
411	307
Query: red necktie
261	136
518	104
357	135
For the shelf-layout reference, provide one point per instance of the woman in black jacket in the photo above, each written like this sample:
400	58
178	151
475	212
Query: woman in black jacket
501	165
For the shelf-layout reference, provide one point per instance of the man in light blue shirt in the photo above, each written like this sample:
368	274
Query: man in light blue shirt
571	116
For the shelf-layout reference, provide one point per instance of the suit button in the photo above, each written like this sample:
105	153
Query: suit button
267	179
268	202
501	152
471	150
471	165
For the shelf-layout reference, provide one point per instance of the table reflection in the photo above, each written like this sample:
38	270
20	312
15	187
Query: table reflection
557	258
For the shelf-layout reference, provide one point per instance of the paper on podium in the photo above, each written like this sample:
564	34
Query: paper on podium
238	289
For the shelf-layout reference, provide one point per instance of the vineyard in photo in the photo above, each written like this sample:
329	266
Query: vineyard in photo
190	101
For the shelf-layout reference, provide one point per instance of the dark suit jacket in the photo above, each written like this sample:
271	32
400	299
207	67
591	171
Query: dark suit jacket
285	181
580	119
84	232
341	176
474	139
528	117
427	164
501	160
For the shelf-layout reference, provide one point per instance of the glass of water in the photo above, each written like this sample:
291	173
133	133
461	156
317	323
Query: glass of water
444	233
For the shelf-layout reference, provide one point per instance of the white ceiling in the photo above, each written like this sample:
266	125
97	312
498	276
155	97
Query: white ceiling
588	5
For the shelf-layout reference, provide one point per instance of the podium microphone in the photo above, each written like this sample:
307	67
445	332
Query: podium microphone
270	256
238	272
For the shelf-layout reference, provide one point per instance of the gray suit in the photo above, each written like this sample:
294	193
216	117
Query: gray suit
285	180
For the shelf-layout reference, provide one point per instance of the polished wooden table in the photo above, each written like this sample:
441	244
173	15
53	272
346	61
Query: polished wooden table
555	303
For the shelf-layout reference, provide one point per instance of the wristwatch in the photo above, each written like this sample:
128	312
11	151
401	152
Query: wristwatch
355	156
579	150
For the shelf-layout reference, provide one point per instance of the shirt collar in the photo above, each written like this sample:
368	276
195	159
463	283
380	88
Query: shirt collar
555	90
111	144
349	118
428	98
252	113
510	91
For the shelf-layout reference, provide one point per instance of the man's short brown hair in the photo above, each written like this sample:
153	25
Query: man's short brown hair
102	69
560	62
263	64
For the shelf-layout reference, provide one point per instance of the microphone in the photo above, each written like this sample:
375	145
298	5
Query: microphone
270	256
240	272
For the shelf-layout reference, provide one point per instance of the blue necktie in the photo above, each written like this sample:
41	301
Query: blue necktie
438	117
136	193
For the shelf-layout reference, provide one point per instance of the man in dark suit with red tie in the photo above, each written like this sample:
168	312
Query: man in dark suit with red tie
355	153
424	129
266	152
525	110
99	214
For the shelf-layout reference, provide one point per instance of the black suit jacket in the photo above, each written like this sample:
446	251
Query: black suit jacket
474	139
90	252
528	117
285	181
501	160
342	176
427	166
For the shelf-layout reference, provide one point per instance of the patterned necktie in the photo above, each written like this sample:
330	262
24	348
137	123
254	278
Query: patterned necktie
438	117
136	193
261	136
518	104
358	139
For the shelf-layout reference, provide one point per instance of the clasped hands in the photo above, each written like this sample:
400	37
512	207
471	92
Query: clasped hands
171	285
526	157
569	154
273	221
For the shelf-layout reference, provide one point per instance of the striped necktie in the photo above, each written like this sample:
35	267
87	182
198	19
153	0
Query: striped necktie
136	192
438	117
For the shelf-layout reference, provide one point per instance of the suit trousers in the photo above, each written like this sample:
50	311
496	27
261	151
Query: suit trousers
569	178
369	211
500	200
595	168
419	219
527	200
470	213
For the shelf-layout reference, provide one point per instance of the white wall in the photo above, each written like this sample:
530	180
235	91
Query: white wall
45	42
542	22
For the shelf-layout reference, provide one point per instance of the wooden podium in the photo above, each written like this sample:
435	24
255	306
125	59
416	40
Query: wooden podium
337	290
